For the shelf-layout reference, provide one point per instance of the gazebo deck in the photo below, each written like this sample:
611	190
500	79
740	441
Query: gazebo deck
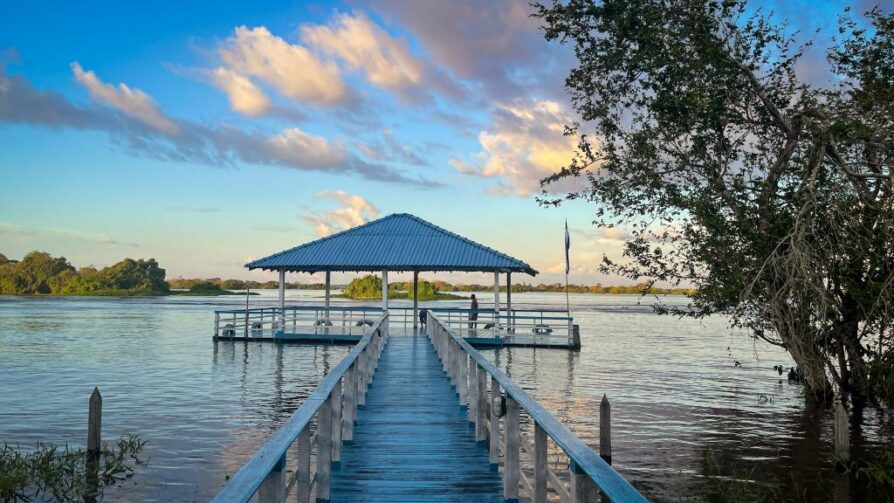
347	325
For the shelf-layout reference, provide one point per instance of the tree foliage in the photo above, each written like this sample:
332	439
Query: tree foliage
40	273
772	196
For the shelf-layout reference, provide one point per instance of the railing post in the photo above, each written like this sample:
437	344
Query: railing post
540	452
583	490
463	377
324	450
336	423
349	412
302	466
473	389
510	458
361	376
605	430
494	447
273	488
480	428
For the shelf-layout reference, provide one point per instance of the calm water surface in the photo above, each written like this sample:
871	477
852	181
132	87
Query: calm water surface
674	385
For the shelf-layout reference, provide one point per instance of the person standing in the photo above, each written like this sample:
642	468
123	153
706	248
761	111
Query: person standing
473	313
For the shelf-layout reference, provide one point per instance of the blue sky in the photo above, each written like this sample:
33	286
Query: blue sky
204	134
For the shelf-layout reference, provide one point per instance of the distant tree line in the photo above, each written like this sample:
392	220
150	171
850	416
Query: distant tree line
238	284
40	273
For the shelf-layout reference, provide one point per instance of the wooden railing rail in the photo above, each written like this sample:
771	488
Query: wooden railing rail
590	474
334	404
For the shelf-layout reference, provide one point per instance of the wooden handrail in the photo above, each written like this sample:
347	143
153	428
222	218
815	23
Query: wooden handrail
246	482
583	459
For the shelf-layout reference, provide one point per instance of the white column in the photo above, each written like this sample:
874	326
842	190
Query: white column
509	300
497	300
415	299
328	295
385	291
282	300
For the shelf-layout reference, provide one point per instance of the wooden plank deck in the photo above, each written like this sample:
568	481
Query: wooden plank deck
412	440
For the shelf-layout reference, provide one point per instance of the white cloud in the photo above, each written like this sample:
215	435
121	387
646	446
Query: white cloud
352	211
525	144
292	69
386	61
294	146
245	97
132	102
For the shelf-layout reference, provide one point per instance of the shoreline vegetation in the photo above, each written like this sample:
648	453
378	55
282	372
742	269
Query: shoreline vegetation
39	273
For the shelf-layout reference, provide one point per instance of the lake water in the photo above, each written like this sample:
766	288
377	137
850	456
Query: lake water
678	397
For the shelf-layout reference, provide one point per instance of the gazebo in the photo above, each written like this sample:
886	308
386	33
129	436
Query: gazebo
396	243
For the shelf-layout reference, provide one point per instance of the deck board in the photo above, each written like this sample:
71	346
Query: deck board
412	441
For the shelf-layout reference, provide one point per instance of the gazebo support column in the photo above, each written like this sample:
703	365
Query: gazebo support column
509	322
497	300
385	291
328	291
282	300
415	299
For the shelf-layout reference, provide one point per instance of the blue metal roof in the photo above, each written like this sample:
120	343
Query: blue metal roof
399	242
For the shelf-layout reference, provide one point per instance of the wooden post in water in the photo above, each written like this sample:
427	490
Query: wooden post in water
302	466
540	467
841	433
94	444
605	430
216	324
510	458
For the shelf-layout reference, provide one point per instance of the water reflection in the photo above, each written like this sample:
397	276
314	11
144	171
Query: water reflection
206	407
677	395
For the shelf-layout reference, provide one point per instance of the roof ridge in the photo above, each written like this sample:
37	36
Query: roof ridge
488	248
324	238
418	220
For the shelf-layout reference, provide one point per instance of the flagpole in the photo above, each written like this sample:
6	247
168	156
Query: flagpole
567	303
567	266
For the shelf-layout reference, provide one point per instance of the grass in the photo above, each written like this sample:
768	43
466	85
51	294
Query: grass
51	472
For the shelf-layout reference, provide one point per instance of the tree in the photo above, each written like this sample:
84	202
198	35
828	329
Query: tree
37	272
368	287
774	198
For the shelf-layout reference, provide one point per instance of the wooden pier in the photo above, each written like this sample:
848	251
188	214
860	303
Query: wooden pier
423	417
412	441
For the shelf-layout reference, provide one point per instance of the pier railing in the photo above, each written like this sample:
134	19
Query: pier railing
589	474
266	321
334	406
522	326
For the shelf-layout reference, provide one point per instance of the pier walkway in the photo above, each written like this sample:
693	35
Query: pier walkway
412	441
407	417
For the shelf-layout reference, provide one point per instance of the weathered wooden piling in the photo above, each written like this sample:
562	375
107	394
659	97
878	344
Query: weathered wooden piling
605	430
841	433
94	444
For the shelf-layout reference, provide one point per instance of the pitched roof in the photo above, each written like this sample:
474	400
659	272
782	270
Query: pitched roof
399	242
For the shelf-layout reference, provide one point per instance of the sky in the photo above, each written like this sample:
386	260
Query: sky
208	134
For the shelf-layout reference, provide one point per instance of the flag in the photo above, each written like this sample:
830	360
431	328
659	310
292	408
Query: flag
567	248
